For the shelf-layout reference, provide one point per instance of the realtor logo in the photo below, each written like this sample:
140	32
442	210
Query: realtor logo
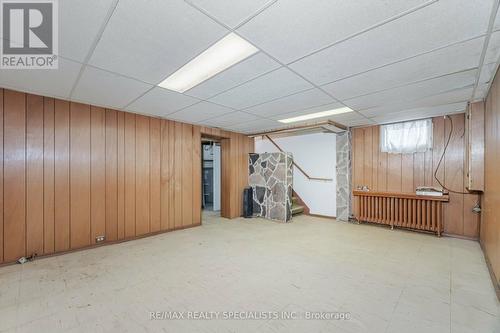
29	34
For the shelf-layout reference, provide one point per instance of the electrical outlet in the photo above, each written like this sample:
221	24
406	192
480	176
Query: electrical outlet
99	239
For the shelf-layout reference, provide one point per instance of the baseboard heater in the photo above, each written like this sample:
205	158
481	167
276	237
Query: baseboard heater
404	210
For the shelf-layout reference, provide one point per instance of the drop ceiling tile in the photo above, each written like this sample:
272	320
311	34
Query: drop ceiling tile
304	111
274	85
231	15
493	50
481	91
107	89
487	73
151	40
448	60
229	119
441	23
420	113
256	126
48	82
246	70
79	23
199	112
302	100
161	102
414	91
450	97
497	21
294	28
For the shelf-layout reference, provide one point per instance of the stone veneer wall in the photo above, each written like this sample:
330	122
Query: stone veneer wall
271	178
343	176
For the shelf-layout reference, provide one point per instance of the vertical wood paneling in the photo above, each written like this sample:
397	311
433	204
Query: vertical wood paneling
142	221
34	174
187	175
130	161
48	175
155	174
14	175
404	172
97	173
80	160
1	175
111	161
196	162
120	215
177	183
73	172
61	172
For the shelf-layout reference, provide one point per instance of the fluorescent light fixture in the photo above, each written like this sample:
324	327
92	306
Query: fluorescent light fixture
223	54
316	115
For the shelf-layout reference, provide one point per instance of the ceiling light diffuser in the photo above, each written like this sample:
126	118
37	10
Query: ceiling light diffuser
223	54
316	115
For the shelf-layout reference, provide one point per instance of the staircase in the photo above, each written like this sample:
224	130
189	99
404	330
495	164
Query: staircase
296	207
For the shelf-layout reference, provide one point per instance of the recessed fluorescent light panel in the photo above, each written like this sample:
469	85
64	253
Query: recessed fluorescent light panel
223	54
316	115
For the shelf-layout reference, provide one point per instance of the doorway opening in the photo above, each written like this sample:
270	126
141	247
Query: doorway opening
211	179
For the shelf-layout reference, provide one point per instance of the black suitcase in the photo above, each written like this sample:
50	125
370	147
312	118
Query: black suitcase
247	202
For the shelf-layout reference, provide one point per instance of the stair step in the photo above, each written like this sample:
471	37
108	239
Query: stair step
296	209
295	200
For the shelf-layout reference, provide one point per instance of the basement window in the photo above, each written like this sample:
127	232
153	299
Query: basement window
406	137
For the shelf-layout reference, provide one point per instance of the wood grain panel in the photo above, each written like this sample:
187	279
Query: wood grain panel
404	172
97	173
48	176
34	175
178	184
74	171
196	177
187	175
61	180
368	157
142	176
1	177
111	162
130	162
14	174
80	160
120	215
155	174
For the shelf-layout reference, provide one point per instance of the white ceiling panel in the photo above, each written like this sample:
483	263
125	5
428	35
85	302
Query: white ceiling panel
49	82
256	126
107	89
299	101
279	83
448	60
290	29
493	50
199	112
231	15
246	70
450	97
229	119
161	102
151	40
481	91
79	24
487	73
414	91
303	111
421	113
444	22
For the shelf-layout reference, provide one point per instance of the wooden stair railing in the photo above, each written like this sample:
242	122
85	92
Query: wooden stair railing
402	210
296	165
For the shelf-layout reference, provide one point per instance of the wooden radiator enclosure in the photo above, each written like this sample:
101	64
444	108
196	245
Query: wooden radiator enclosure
401	210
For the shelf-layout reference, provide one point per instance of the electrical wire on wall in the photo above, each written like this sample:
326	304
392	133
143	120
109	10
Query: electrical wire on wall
442	156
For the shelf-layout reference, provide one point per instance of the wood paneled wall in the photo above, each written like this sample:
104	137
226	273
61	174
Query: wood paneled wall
404	172
72	172
490	221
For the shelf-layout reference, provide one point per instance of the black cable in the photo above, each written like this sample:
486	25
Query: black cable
441	159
